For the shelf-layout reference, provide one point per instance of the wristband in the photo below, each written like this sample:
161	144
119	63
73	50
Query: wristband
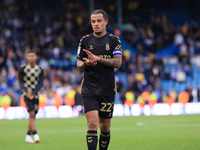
84	64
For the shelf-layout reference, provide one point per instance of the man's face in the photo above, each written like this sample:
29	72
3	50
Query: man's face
98	23
31	57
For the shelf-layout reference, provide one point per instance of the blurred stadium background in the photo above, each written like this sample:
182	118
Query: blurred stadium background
161	60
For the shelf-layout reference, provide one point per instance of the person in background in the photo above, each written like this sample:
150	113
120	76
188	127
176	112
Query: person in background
195	93
14	101
166	74
31	78
181	76
187	70
189	91
119	89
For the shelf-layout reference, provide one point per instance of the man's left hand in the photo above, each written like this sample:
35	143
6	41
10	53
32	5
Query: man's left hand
92	56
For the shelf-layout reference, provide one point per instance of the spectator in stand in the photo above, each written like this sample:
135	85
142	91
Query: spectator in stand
61	90
3	75
137	87
158	94
176	49
180	76
198	36
44	64
195	93
11	76
16	85
183	54
189	91
130	86
188	70
67	61
178	38
198	95
164	97
156	71
191	48
14	101
75	76
140	49
119	89
132	68
173	94
139	76
157	84
173	74
166	74
3	87
122	72
151	81
158	61
47	84
188	88
149	70
140	87
50	100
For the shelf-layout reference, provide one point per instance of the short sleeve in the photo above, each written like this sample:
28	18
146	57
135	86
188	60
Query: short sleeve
80	53
118	46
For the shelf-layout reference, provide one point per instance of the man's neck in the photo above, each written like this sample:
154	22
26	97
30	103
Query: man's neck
99	35
32	64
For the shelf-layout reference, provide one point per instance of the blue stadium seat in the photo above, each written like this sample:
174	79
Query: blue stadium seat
66	63
60	64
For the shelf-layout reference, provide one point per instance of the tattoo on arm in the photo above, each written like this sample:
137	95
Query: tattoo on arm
115	62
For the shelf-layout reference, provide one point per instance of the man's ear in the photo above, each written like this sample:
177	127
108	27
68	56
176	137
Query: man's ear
106	22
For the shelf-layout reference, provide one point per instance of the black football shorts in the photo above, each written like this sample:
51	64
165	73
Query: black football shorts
103	104
31	104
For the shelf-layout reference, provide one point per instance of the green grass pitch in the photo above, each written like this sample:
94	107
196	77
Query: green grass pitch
127	133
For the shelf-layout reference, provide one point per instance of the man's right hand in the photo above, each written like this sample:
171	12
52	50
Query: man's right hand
30	95
90	62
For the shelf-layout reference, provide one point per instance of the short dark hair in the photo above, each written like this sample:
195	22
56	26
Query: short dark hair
99	11
31	51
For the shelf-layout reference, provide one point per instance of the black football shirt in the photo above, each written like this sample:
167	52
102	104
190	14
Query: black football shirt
99	79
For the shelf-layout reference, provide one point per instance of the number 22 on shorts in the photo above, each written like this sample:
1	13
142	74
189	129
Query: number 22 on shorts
106	107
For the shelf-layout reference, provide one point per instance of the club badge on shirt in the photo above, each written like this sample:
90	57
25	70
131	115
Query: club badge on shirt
107	47
78	51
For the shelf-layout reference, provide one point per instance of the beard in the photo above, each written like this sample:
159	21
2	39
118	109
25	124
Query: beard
97	33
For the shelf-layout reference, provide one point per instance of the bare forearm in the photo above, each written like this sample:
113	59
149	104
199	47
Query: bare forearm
81	66
114	62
